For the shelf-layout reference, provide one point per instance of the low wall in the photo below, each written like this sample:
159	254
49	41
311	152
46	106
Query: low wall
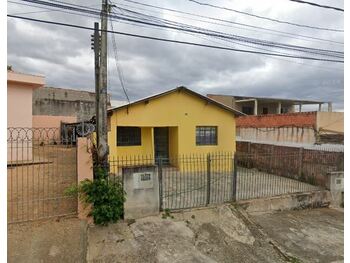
46	121
288	202
278	134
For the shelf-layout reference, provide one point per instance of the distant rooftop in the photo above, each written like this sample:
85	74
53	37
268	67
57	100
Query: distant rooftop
270	99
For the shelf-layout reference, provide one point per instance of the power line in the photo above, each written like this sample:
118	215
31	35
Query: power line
265	18
117	63
318	5
35	12
176	41
189	28
280	33
212	33
277	58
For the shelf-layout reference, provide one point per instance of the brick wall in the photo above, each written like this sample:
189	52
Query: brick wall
311	166
299	119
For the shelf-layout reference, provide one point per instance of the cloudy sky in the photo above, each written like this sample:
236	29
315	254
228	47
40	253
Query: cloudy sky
64	56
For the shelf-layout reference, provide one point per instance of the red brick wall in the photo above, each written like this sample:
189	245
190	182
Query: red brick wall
298	119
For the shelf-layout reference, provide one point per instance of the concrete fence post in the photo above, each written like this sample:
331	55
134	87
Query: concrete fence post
84	171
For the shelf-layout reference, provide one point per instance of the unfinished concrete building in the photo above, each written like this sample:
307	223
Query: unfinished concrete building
53	106
262	105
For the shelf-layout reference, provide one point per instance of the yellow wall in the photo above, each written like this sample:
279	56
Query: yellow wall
145	149
178	109
173	144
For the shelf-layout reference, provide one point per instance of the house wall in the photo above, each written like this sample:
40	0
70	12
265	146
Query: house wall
178	109
145	150
331	121
173	144
226	100
19	112
19	105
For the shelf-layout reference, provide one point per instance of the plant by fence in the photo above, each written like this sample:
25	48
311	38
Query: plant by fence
105	196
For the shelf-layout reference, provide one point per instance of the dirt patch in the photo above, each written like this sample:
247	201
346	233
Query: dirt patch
47	241
207	235
36	190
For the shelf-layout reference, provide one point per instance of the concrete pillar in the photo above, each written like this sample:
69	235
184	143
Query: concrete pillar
255	107
330	107
279	107
320	107
85	171
300	105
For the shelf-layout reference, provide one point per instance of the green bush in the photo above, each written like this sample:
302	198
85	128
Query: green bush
105	196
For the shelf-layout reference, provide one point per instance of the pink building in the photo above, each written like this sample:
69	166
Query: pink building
19	108
19	98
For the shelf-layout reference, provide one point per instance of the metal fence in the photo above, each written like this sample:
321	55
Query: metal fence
197	180
40	166
187	181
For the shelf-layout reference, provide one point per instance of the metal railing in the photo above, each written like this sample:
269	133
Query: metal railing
196	180
186	181
40	166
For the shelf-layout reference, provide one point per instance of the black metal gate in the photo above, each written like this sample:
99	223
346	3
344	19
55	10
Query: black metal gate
196	180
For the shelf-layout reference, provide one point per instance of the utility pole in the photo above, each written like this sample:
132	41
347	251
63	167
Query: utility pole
102	149
95	45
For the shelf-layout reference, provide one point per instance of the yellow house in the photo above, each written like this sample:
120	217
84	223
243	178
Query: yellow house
167	125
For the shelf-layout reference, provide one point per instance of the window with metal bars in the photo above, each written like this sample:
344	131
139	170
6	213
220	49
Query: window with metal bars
206	135
128	136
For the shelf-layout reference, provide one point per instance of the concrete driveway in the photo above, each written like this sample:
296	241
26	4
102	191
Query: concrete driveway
207	235
222	234
312	235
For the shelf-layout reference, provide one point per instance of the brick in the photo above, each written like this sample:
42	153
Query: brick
298	119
